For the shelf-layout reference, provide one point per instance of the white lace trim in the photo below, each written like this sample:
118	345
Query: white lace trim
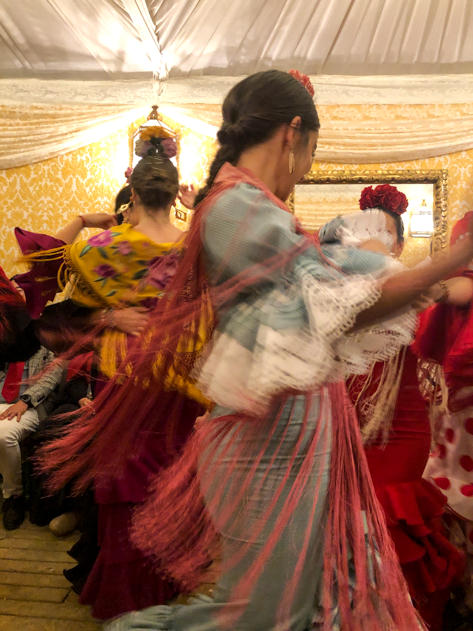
366	225
303	358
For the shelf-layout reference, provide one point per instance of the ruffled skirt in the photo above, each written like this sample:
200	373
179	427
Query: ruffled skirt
414	511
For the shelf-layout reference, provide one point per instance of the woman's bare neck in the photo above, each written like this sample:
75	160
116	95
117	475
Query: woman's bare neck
158	227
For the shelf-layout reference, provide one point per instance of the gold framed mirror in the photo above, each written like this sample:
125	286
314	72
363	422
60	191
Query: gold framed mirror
320	196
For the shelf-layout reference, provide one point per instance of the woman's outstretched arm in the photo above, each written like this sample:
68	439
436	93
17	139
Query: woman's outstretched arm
403	288
71	231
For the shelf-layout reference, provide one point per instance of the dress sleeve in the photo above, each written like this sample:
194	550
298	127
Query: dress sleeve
294	331
244	230
40	283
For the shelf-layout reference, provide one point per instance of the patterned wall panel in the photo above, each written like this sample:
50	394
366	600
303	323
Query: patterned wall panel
44	196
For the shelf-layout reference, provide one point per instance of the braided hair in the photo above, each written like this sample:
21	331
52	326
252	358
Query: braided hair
253	110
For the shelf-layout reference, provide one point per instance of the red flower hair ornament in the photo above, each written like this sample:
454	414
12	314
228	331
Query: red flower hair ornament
303	80
385	197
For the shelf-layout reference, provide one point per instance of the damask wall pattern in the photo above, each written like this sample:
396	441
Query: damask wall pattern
46	195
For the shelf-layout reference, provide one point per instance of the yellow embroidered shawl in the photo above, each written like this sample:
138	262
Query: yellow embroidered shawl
119	267
112	268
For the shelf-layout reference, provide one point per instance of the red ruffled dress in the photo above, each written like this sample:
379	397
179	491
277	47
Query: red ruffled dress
413	506
445	337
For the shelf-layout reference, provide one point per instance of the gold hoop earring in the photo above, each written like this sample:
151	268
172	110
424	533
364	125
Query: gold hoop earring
292	162
124	207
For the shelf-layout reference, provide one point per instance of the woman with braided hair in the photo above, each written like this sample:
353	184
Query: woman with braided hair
266	323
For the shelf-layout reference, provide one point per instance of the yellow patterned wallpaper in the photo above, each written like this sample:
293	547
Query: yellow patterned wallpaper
45	195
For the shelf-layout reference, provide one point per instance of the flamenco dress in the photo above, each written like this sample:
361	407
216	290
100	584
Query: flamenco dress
116	265
278	478
413	506
445	337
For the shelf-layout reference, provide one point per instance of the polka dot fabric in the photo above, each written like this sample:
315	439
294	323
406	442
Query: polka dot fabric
450	467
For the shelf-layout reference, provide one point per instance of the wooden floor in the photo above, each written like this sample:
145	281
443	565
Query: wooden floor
34	595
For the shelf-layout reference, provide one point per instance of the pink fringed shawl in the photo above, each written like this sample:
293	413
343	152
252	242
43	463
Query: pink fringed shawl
174	525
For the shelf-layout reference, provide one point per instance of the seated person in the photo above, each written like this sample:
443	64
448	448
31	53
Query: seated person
45	507
21	408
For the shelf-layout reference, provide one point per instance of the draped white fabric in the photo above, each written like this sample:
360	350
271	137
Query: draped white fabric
115	37
380	140
354	136
36	133
321	36
76	37
329	90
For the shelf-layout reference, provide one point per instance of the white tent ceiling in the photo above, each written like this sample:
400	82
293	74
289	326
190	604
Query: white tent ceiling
116	38
82	67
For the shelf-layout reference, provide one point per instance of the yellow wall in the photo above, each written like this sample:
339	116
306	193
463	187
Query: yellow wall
44	196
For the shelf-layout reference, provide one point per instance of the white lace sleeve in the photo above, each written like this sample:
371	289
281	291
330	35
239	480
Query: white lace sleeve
299	345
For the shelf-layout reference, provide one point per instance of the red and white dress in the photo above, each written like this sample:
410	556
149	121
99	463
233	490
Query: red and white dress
446	337
413	506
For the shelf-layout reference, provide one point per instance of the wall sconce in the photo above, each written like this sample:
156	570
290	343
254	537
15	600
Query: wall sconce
421	222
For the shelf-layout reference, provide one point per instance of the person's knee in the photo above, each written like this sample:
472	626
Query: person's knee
12	431
9	436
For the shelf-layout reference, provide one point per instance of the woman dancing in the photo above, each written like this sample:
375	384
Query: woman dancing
445	338
124	266
281	481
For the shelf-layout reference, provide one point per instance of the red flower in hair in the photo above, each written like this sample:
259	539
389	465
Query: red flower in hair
384	196
304	80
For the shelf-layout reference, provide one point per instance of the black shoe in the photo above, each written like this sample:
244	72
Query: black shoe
13	512
77	576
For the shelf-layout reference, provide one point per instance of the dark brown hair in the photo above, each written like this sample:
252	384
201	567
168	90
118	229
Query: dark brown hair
122	198
156	181
253	110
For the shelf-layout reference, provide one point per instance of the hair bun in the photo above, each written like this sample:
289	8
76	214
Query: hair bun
231	134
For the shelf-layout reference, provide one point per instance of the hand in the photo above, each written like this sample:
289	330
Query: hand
85	402
187	195
17	409
131	320
436	293
459	291
99	220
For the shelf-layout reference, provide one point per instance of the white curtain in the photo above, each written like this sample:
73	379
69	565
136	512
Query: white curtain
364	119
34	133
102	37
377	139
358	134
